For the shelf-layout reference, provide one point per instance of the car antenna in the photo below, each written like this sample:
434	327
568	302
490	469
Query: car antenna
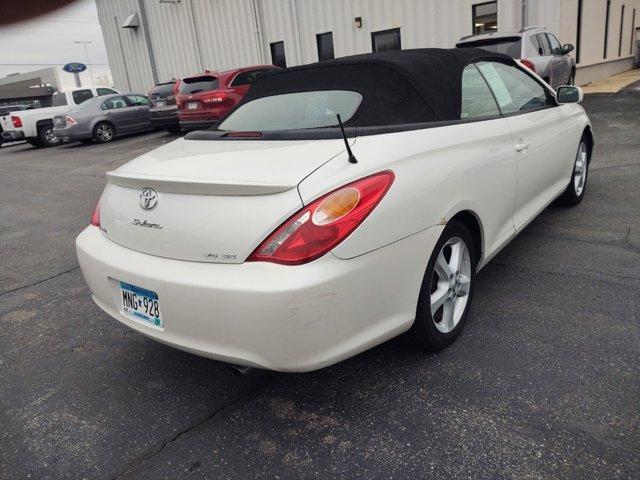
352	157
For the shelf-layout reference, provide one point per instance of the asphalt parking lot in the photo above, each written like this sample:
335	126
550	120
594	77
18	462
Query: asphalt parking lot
544	382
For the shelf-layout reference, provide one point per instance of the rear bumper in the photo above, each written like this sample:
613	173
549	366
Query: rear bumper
72	133
261	314
196	124
12	136
165	117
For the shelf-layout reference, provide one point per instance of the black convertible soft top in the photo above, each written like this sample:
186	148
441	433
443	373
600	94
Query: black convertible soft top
398	86
401	89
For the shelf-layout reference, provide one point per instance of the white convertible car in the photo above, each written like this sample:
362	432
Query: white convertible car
339	205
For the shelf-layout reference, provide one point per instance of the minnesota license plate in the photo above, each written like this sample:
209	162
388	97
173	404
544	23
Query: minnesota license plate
140	304
192	105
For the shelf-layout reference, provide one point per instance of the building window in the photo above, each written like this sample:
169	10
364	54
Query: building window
484	17
385	40
277	54
325	46
606	29
621	28
579	31
633	31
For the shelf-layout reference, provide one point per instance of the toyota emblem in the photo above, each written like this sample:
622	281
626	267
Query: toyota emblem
148	198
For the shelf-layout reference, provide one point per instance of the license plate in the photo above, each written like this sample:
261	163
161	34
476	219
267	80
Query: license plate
160	103
140	304
192	105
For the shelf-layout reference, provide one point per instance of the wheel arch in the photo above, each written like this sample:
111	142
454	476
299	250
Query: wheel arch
45	122
471	220
591	141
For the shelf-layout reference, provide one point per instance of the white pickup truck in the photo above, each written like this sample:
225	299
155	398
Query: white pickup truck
36	126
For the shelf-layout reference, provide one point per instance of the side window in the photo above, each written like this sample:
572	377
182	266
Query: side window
515	91
137	100
247	78
477	100
556	49
113	103
104	91
535	41
80	96
544	43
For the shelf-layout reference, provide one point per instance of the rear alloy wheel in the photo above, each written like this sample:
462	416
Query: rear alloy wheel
47	138
447	289
575	190
103	132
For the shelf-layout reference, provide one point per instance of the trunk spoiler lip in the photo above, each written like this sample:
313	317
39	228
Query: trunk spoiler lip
196	186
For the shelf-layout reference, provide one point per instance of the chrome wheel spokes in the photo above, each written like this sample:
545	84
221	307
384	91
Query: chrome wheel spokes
450	284
580	169
105	133
50	137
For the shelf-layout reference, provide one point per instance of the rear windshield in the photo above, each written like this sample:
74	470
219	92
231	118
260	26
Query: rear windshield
198	84
162	91
59	99
294	111
507	46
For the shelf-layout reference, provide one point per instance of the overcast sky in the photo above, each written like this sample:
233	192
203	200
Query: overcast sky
48	41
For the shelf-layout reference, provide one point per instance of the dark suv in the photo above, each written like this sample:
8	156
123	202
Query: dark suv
164	111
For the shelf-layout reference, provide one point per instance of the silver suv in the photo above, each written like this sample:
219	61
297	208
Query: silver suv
535	47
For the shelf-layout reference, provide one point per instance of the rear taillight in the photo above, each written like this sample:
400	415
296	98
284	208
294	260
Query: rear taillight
70	120
324	223
214	97
95	218
529	64
17	122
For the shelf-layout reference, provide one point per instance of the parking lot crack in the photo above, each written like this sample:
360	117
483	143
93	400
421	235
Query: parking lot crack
38	282
228	408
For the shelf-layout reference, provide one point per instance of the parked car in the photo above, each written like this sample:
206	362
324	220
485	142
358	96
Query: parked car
206	98
6	110
36	126
536	47
163	109
281	241
102	119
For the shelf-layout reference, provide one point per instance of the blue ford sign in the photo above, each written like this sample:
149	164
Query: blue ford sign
74	67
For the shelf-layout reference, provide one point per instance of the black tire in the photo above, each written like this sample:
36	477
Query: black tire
46	136
34	142
173	129
574	193
424	333
104	132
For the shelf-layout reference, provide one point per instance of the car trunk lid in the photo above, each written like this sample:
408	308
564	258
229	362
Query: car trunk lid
216	200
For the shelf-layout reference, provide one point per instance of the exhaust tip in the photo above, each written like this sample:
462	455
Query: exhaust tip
239	370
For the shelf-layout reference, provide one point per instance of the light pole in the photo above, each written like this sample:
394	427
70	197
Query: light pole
86	52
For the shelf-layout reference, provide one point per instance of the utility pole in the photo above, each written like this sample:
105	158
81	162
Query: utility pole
86	53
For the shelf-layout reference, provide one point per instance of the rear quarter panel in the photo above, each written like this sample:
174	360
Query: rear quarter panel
439	172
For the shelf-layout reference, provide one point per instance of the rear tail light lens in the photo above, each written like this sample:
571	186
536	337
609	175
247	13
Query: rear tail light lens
529	64
214	97
17	122
95	218
70	120
324	223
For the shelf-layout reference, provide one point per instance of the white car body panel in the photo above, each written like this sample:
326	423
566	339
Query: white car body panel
226	197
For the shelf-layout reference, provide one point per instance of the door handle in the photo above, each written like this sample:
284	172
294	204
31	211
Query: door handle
522	145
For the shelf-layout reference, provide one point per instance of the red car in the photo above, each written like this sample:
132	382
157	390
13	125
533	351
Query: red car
205	98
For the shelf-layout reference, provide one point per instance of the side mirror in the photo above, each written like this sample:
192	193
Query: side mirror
567	48
569	94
